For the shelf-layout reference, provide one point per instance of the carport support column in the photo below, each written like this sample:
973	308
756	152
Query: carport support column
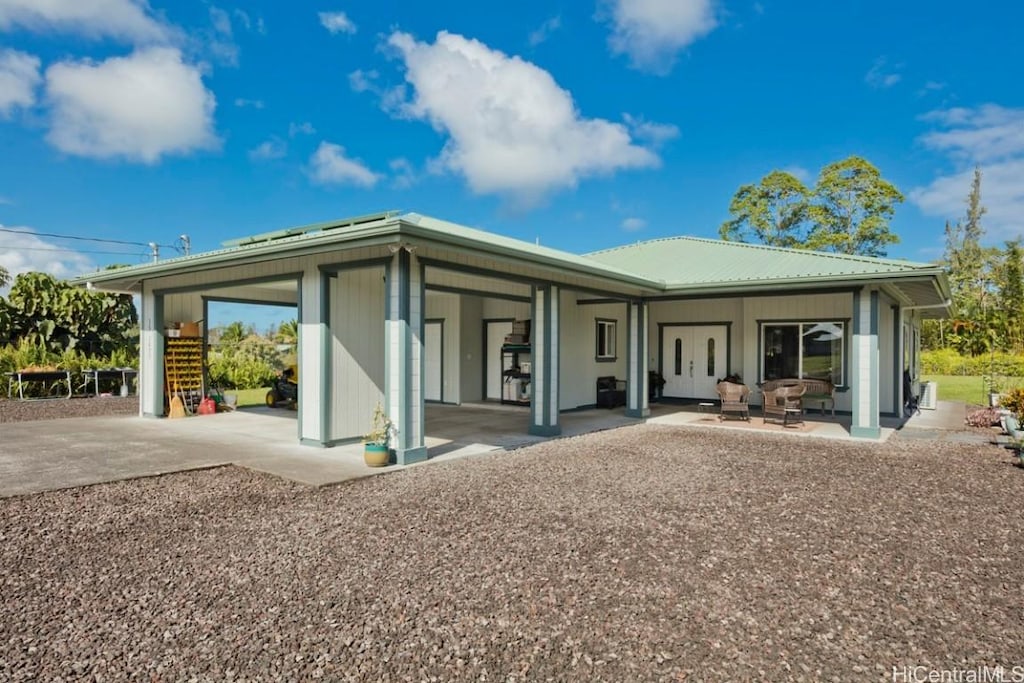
403	364
865	370
636	360
151	355
314	359
544	379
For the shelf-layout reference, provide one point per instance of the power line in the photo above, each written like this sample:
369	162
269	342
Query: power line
84	239
18	247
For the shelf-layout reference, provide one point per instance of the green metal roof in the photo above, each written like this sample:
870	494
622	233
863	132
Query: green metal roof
389	226
685	265
693	262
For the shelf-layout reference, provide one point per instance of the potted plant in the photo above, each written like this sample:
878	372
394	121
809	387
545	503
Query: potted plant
994	388
655	385
1013	402
375	443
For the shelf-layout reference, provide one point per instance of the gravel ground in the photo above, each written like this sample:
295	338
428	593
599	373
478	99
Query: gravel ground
642	553
92	406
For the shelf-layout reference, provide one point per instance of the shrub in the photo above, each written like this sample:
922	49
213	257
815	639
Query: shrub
1014	402
949	362
249	364
985	417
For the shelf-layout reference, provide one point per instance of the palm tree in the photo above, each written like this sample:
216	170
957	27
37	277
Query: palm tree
5	277
234	333
288	332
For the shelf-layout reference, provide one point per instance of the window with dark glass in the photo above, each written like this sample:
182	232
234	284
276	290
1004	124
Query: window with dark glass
711	356
803	350
606	340
679	357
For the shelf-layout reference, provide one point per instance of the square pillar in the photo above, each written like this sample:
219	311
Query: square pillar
151	355
544	379
314	361
636	360
865	367
403	356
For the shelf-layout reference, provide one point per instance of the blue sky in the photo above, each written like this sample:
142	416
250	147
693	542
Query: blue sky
584	124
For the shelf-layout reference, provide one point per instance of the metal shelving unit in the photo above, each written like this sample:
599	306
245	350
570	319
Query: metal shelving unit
516	369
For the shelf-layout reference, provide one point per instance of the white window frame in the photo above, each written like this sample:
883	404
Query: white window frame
605	329
842	324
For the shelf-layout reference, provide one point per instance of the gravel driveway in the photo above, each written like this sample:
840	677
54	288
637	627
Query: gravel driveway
642	553
13	410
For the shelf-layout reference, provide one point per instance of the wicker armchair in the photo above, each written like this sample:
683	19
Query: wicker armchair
734	399
784	403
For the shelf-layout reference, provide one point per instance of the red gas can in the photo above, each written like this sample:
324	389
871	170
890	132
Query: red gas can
207	406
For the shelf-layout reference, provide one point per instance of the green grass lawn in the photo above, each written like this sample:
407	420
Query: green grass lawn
250	397
967	388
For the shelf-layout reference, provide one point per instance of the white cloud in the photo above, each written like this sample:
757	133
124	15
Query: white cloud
247	22
128	20
652	32
23	253
930	87
221	38
274	148
19	78
140	107
330	166
405	175
985	133
991	137
337	22
633	224
545	30
512	130
881	75
361	81
243	102
648	131
304	128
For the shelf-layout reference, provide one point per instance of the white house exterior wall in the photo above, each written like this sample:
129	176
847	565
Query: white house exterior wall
356	350
794	308
886	349
448	307
700	311
579	367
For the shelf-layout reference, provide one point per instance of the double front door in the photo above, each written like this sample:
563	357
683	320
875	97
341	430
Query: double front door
693	359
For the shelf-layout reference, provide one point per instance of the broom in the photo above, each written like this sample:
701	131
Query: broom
177	407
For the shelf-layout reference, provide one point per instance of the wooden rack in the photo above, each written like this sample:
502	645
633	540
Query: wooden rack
183	369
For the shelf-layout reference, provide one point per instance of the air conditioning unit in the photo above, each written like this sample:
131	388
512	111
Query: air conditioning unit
929	395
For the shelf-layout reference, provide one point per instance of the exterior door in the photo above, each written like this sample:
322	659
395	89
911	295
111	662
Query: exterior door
496	331
693	358
433	338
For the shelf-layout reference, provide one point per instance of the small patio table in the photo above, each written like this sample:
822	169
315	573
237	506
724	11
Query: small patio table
96	374
20	378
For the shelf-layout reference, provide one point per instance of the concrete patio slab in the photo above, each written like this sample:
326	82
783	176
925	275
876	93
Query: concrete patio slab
56	454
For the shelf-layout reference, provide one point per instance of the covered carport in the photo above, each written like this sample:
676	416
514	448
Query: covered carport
364	289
